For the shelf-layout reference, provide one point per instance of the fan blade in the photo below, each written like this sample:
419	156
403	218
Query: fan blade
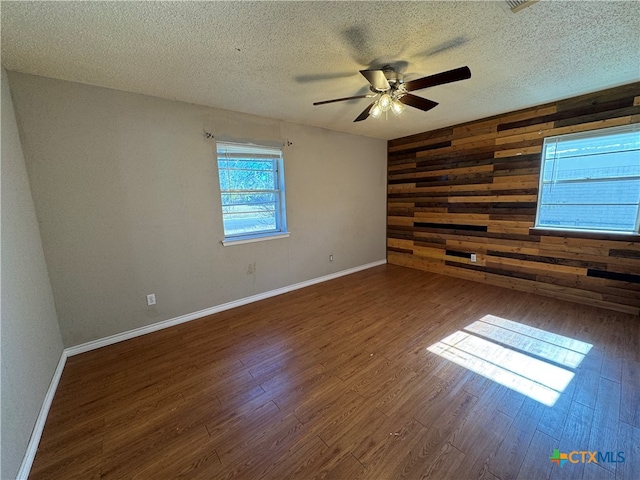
454	75
364	114
418	102
377	79
341	99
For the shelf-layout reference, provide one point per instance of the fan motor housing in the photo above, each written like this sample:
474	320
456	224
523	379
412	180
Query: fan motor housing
394	78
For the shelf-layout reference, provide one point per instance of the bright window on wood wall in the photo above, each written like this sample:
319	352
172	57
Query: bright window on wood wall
590	181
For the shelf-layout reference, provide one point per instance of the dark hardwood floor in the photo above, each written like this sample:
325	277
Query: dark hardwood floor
337	381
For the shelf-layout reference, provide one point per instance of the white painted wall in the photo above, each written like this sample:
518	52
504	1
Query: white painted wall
31	342
126	191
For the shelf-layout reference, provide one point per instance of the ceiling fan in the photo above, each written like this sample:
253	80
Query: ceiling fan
391	92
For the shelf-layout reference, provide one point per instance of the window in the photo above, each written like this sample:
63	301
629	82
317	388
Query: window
252	191
590	181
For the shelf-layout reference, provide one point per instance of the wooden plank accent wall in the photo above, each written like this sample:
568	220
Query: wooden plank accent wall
473	188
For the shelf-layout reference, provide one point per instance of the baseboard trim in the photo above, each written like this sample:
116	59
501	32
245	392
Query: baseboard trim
34	440
120	337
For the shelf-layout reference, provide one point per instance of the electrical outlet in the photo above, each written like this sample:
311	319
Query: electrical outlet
331	258
473	258
151	299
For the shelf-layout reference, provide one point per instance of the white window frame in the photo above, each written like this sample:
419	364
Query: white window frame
553	142
230	151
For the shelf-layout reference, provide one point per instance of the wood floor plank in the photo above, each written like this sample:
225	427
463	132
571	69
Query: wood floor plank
534	464
353	411
348	467
137	423
594	471
587	378
613	360
630	403
507	460
196	465
322	401
186	458
575	437
429	457
284	435
229	416
510	402
240	439
59	438
366	435
337	381
302	462
434	396
85	461
483	418
442	465
480	442
554	418
606	415
389	455
629	445
143	458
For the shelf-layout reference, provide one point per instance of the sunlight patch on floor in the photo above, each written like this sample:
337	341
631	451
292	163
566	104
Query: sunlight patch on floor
531	361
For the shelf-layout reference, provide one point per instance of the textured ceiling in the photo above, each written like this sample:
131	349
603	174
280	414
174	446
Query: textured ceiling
275	59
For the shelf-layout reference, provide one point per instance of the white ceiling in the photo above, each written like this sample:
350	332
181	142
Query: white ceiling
275	59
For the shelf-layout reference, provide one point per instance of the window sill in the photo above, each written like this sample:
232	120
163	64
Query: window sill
227	242
622	237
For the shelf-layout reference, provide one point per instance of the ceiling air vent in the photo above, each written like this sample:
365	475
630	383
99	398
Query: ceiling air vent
516	5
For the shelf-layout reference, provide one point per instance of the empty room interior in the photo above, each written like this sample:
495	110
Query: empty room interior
313	239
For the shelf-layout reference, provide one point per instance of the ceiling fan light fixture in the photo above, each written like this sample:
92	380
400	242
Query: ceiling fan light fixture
397	107
384	102
376	111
